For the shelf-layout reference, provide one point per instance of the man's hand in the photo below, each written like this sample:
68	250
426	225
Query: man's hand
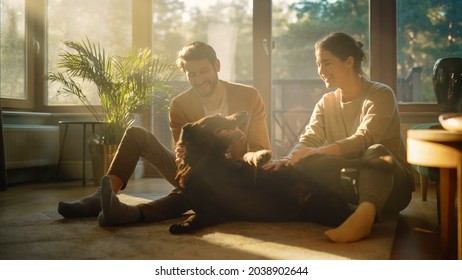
179	154
258	158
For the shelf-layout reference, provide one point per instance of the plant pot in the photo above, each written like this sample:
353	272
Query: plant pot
101	158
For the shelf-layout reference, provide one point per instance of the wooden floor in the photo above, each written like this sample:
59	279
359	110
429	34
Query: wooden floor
417	235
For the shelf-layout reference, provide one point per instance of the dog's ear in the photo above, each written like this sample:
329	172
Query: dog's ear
185	134
187	126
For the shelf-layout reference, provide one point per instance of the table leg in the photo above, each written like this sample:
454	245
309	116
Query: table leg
58	169
448	179
459	212
84	180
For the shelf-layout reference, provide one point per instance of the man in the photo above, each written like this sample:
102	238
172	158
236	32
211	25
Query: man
208	95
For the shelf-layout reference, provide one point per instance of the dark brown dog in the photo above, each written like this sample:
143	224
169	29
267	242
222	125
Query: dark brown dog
222	189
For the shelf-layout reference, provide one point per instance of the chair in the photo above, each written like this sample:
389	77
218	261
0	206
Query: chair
447	86
427	174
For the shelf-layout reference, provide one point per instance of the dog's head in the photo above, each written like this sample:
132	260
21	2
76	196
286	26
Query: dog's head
211	135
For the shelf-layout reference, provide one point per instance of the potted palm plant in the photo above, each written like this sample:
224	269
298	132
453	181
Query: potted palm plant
124	84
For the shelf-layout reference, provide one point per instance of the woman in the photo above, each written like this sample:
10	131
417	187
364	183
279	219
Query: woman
358	118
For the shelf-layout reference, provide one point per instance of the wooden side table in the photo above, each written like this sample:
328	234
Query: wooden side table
443	149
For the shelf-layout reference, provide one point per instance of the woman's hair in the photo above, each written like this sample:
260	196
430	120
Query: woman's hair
195	51
342	46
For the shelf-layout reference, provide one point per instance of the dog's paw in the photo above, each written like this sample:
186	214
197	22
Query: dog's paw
181	228
258	158
186	226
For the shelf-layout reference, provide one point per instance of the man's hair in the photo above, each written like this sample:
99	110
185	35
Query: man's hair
195	51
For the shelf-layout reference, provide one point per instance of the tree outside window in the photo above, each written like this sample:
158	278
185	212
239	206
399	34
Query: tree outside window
12	51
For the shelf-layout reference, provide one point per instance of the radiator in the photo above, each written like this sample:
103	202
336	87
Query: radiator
30	145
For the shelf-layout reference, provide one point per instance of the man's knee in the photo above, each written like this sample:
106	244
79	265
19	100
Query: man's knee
139	136
135	131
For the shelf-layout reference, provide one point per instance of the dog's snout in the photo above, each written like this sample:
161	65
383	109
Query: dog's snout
240	118
242	114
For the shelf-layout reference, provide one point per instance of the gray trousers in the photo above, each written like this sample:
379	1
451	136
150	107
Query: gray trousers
389	192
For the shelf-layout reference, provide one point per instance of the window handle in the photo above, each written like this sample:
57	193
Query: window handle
265	46
36	45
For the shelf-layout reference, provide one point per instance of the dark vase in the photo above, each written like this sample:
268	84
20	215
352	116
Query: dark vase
447	83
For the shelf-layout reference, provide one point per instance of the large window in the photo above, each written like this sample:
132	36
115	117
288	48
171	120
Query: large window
427	30
12	52
104	22
32	32
297	25
226	25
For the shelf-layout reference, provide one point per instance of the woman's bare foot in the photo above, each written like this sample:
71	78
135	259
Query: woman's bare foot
356	227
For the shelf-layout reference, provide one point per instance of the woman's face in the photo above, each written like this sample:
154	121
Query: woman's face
332	70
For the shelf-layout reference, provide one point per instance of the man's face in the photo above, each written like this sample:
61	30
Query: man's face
202	76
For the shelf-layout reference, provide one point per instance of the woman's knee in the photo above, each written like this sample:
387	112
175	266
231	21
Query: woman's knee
376	151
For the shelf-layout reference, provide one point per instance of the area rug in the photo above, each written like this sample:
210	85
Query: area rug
47	236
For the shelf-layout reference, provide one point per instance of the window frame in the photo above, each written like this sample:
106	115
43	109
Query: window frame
383	56
29	48
382	33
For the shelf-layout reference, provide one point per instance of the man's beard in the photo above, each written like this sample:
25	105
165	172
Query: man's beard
209	92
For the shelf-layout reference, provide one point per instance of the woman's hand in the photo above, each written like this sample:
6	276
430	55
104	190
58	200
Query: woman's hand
276	165
296	157
301	154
